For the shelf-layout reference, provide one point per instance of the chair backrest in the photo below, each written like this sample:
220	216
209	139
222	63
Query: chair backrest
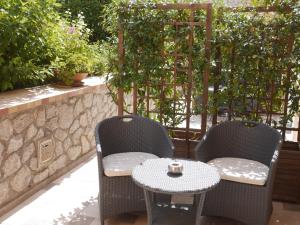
133	134
249	140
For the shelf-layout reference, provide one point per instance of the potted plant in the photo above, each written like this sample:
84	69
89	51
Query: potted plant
77	57
73	69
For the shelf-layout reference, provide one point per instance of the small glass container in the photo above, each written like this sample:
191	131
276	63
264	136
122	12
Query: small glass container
175	167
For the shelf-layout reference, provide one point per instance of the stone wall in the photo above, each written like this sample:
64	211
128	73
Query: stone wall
70	121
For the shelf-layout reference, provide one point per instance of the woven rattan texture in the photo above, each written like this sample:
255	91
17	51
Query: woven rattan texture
250	204
126	134
197	177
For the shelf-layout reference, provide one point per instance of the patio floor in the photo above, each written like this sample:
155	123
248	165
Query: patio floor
72	200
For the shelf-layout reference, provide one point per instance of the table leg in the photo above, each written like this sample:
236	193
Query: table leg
199	206
149	206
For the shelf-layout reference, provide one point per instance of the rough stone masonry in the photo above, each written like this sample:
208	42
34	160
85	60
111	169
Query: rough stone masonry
70	122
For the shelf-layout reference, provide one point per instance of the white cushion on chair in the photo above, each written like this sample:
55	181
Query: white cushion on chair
121	164
241	170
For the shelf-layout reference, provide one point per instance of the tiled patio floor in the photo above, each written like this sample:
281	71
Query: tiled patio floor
72	200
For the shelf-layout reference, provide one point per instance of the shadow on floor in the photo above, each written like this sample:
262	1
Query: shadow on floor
80	215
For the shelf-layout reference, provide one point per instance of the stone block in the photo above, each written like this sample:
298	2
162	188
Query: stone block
85	144
33	164
83	120
51	111
60	134
11	165
4	192
57	164
31	132
40	134
52	124
94	111
78	108
89	117
6	130
41	176
22	121
88	100
74	126
59	150
41	118
15	144
76	136
1	151
72	100
28	152
65	116
67	144
22	179
74	152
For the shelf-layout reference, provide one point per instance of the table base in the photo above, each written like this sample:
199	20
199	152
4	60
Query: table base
171	215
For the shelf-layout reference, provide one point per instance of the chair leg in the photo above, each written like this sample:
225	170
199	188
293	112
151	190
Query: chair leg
101	221
101	214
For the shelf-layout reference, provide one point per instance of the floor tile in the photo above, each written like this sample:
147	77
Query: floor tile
73	200
81	220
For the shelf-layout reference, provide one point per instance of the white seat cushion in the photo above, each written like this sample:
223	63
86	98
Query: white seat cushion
241	170
121	164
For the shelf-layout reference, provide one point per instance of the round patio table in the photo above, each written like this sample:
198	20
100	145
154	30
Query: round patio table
197	178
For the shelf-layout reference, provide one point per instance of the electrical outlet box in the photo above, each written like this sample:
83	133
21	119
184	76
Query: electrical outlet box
45	151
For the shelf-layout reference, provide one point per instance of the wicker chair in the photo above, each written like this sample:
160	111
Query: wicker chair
126	134
247	203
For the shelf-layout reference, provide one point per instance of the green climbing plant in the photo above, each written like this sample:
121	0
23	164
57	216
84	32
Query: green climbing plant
254	63
259	57
150	45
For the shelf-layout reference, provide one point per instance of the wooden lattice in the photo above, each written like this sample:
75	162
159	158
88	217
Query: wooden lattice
187	132
267	110
178	57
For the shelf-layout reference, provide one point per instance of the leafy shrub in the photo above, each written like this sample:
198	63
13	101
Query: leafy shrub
92	10
28	38
76	55
35	42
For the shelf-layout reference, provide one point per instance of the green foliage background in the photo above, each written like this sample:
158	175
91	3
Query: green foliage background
28	35
92	10
260	59
36	43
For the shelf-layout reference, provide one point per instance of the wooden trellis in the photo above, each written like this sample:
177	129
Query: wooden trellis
188	70
206	25
287	178
268	112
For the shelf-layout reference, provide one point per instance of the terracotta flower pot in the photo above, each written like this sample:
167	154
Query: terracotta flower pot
78	77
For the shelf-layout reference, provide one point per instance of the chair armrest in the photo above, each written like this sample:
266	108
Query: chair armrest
201	151
204	150
165	145
99	158
172	147
273	164
98	148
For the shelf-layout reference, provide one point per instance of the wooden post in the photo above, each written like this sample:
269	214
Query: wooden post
298	139
121	65
287	84
175	72
217	73
134	99
190	82
208	39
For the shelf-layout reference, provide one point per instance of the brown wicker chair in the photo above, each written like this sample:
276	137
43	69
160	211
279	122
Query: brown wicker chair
126	134
247	203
